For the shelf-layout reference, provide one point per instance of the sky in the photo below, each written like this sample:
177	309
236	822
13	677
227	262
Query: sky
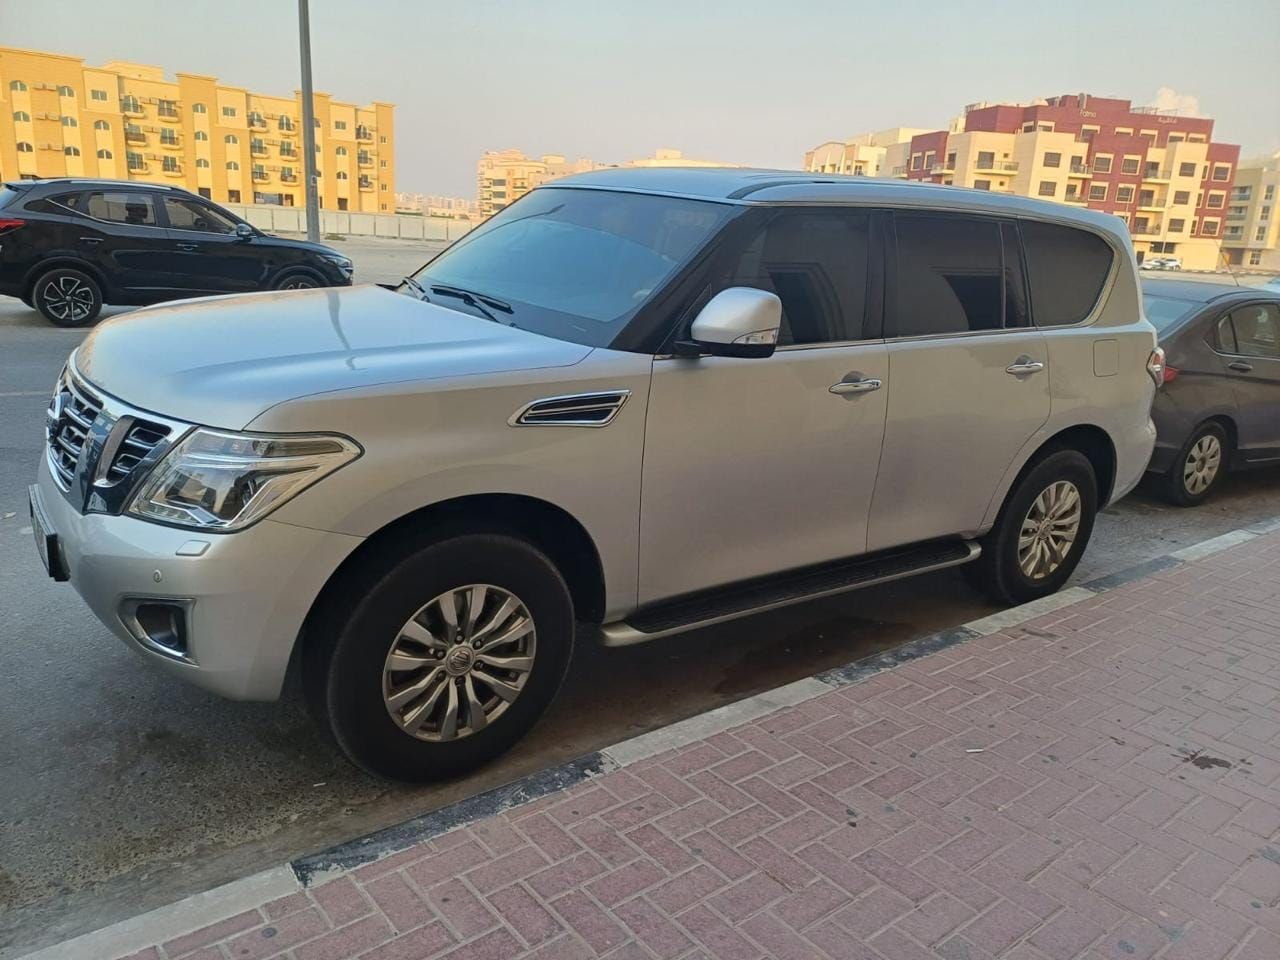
740	81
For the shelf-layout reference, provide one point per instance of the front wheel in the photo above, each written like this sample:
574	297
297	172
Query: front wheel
441	656
67	297
296	281
1042	530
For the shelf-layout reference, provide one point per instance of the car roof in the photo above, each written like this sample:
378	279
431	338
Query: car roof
1197	291
91	182
746	185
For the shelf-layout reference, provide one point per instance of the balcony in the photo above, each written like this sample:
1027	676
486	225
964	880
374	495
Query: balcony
899	171
366	184
364	160
173	171
141	167
1238	216
939	168
1157	176
997	166
1150	203
131	108
288	178
289	153
135	136
364	133
258	149
1076	198
173	143
1080	170
257	121
261	176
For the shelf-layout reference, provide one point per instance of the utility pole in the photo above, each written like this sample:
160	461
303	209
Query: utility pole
308	125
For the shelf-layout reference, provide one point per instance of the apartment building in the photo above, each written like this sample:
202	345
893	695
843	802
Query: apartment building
432	205
504	176
62	118
1252	235
866	155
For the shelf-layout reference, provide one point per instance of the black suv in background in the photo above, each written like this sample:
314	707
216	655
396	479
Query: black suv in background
68	246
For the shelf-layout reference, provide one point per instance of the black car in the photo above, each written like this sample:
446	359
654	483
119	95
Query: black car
1220	406
69	246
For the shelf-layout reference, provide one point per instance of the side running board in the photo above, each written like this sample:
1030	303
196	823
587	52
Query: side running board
797	586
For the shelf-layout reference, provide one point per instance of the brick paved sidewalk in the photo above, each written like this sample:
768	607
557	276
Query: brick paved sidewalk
1103	781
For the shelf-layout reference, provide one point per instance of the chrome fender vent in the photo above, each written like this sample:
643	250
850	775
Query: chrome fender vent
574	410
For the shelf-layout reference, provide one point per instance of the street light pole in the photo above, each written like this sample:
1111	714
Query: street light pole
308	125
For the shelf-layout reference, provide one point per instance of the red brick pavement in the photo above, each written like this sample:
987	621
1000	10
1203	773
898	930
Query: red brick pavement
1101	782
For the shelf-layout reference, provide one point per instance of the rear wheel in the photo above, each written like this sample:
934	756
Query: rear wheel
442	658
67	297
1042	530
1198	469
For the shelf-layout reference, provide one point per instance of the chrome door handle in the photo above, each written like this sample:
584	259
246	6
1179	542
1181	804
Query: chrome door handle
1024	365
186	246
90	239
845	387
1240	366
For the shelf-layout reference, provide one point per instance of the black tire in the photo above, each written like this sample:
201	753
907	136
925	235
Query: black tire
998	569
67	297
297	280
1179	486
362	616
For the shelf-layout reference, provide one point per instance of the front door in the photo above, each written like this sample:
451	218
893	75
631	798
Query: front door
968	378
756	466
208	256
1254	369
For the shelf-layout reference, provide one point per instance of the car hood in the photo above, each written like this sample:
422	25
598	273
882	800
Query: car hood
221	361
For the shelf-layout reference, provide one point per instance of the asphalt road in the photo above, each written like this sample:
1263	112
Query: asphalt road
122	789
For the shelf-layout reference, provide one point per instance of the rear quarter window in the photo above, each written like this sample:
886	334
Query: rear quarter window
1067	268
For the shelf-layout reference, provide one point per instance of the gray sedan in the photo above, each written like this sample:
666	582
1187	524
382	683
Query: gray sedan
1220	406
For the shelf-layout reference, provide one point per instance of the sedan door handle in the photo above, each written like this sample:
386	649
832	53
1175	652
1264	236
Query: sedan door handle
187	246
90	239
1240	366
862	385
1023	366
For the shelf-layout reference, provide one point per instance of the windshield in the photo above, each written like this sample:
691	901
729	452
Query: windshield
1163	312
575	264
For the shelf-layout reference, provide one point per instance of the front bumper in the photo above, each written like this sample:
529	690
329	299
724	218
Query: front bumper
245	595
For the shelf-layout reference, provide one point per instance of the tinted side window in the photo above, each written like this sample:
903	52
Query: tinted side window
186	214
1224	338
1257	328
1068	268
950	275
62	204
816	262
120	206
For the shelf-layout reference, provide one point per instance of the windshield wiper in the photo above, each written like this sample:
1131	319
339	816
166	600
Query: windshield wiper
472	299
416	287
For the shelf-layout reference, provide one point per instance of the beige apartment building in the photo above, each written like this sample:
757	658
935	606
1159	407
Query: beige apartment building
62	118
1252	237
504	176
866	155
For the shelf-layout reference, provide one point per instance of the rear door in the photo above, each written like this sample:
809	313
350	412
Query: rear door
1254	369
122	236
968	376
208	255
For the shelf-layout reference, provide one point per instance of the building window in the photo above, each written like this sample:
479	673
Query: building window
382	139
1181	197
1221	172
915	161
231	138
1129	165
170	163
285	123
97	94
382	187
382	164
1269	193
256	119
101	125
170	136
104	154
24	147
1124	194
1176	138
21	116
1186	169
199	108
1209	227
166	108
232	165
129	104
202	164
17	85
339	124
1098	191
65	91
1260	234
228	111
201	135
1124	131
1053	159
1102	164
135	160
341	151
1265	213
1177	225
1217	200
341	175
1255	257
1048	188
71	151
70	122
233	196
977	185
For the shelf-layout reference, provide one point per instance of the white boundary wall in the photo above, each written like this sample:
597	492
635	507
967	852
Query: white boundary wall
350	223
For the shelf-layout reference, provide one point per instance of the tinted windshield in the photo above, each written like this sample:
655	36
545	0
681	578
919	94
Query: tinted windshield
576	264
1165	311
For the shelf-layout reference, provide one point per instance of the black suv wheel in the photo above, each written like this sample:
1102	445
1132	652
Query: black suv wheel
67	297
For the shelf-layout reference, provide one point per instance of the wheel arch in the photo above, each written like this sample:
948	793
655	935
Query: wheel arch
64	262
1229	425
1089	439
294	268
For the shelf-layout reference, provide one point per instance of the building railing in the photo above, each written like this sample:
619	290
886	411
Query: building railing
1238	216
1076	198
1082	169
1002	166
943	168
288	178
364	133
899	171
135	136
1146	231
1166	174
261	176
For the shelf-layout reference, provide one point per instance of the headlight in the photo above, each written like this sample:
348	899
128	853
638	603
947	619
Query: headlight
342	263
225	481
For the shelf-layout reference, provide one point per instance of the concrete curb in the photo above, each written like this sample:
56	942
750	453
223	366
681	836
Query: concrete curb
315	869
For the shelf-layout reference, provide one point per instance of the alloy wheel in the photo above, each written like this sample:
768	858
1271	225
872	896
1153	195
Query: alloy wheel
67	298
459	662
1202	464
298	283
1049	529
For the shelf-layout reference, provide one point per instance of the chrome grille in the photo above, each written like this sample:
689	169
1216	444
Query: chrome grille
576	410
141	438
70	417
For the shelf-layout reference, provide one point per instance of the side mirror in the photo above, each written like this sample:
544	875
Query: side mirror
738	322
245	232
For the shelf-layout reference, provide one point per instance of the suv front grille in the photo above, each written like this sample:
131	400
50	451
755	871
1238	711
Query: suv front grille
69	419
138	443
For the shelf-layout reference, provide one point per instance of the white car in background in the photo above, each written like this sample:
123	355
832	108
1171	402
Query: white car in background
1162	263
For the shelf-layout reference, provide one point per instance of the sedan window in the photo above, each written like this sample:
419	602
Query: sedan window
186	214
1226	336
1257	330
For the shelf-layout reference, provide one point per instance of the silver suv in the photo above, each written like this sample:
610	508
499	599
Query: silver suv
644	400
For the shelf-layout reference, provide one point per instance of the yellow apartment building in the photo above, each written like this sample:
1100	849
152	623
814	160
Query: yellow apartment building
62	118
1252	237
